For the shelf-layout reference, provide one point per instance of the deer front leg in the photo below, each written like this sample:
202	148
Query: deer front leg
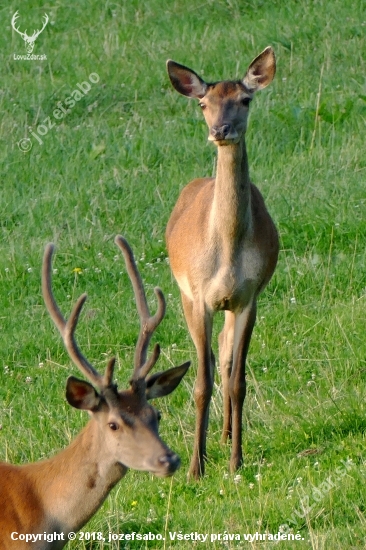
226	343
244	324
199	324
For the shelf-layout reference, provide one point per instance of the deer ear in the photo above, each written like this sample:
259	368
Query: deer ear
261	71
81	394
163	383
186	81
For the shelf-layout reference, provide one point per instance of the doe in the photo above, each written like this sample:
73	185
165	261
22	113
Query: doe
223	247
59	495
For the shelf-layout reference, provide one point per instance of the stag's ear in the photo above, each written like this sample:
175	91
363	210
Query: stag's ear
163	383
186	81
81	394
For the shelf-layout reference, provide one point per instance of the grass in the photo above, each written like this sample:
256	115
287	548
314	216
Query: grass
116	164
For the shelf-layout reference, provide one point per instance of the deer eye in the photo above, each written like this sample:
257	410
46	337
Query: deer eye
158	414
202	105
246	101
113	426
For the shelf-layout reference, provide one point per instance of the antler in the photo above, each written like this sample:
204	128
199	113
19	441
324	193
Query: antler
37	33
148	323
67	328
13	21
24	34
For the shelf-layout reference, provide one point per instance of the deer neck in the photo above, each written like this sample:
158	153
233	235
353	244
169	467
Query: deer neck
231	210
76	481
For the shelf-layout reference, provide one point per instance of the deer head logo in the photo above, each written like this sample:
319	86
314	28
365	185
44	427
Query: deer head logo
29	40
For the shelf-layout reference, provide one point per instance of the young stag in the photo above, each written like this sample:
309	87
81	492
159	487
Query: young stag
223	247
52	498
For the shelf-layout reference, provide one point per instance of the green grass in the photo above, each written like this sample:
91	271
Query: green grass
116	164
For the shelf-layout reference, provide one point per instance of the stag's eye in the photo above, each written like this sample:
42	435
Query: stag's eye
158	414
113	426
246	101
202	105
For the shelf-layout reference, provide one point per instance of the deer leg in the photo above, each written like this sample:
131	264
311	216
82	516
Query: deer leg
226	342
200	327
244	324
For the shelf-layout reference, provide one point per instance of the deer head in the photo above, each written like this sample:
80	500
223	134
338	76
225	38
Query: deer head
225	104
126	423
29	40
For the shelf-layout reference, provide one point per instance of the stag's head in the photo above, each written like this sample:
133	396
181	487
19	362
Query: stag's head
127	424
29	40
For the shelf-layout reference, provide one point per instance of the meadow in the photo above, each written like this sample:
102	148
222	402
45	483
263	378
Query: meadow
115	164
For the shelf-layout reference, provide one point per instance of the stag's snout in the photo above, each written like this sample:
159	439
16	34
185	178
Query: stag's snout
168	464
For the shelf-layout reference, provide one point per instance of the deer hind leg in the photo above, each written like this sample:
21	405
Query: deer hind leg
200	327
244	324
226	343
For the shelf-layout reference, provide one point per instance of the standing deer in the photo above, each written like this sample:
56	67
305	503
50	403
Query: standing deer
223	247
58	496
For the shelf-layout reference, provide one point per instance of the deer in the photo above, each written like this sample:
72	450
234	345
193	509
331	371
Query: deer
57	496
223	248
29	40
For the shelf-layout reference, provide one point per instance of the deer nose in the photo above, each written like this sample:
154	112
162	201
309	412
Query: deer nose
220	132
170	461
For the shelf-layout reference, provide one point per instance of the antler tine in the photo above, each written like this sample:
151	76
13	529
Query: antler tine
67	328
108	375
148	323
38	32
13	21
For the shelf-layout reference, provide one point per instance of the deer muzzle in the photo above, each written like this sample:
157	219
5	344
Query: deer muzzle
223	133
168	464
